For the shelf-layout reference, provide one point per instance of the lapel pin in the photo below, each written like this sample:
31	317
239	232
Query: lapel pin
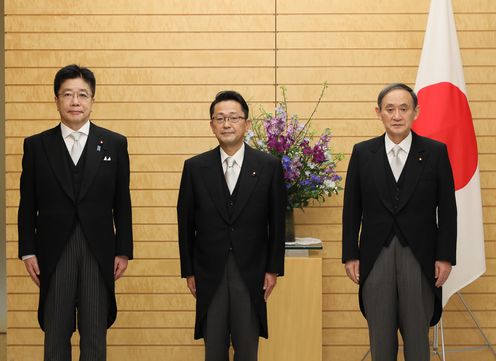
99	146
254	174
420	159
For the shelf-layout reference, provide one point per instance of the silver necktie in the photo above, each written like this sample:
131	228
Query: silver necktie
76	149
230	175
396	163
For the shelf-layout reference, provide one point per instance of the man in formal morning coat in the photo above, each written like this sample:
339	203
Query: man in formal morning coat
74	221
231	208
399	228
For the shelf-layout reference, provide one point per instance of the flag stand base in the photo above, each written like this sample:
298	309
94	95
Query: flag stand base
441	352
439	329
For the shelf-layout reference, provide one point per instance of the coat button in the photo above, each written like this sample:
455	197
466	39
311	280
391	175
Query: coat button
232	229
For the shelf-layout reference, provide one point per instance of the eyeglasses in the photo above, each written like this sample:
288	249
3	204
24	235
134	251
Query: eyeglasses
83	96
219	119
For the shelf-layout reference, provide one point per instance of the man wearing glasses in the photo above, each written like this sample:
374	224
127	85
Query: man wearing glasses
75	233
231	208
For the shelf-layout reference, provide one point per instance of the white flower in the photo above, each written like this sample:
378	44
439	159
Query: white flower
250	134
329	184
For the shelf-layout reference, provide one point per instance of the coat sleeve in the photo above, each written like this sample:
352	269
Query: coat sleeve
277	223
28	208
122	206
185	222
352	209
446	211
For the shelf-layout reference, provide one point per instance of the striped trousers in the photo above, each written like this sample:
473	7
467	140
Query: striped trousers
77	296
397	295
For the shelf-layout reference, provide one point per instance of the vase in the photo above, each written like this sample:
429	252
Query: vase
290	225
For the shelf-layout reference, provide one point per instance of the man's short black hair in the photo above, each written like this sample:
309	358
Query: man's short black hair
229	95
74	71
395	86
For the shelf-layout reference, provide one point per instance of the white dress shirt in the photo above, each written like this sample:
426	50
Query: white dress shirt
405	146
69	141
238	159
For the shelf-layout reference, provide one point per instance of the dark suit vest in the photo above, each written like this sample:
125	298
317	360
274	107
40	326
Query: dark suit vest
395	189
77	171
230	200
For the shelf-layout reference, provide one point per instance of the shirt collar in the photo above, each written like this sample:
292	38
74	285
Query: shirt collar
66	131
238	156
405	144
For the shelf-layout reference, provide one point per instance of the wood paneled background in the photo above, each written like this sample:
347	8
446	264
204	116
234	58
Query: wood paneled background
159	64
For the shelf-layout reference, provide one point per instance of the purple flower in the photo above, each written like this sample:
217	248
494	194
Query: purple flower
305	146
291	168
318	154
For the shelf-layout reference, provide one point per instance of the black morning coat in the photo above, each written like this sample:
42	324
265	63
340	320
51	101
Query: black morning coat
48	209
427	189
255	230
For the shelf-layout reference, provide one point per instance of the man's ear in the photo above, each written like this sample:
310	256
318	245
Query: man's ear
378	112
417	112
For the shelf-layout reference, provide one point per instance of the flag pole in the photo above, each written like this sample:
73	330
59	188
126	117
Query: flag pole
435	341
435	344
365	356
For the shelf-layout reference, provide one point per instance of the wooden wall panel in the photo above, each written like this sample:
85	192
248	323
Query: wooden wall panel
158	66
142	58
141	41
366	22
131	7
377	7
141	23
135	76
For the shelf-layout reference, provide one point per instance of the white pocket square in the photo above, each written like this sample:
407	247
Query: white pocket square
107	159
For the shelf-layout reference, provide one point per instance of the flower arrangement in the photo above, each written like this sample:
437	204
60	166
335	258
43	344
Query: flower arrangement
309	169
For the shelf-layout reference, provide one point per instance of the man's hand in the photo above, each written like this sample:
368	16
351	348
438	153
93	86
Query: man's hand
31	264
352	268
120	265
442	270
190	281
269	284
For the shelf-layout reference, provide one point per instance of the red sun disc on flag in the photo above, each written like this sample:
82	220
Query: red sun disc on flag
445	116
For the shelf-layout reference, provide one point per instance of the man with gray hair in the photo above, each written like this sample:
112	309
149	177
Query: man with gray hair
399	228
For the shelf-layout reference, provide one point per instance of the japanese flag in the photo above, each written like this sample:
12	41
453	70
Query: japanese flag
445	116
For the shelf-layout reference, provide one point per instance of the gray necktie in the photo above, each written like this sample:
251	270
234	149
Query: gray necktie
230	175
396	163
76	149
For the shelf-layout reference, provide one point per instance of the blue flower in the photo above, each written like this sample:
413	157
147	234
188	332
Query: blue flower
316	179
